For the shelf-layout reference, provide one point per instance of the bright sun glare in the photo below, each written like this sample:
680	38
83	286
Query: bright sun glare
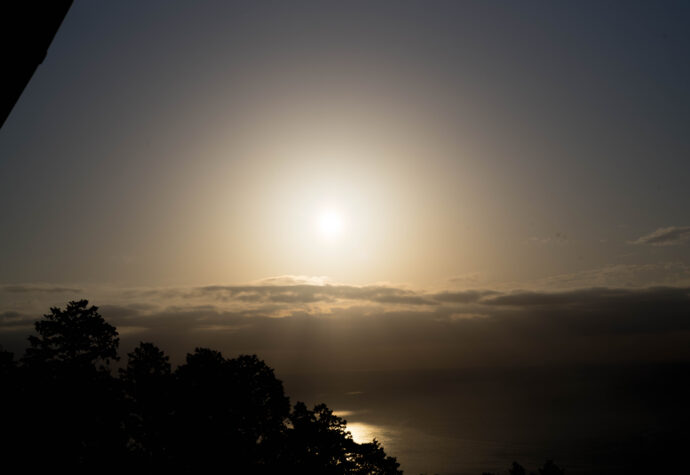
330	224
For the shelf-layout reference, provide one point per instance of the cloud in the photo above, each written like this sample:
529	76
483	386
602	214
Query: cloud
467	296
10	320
32	288
310	293
471	279
294	279
671	236
557	238
596	325
621	276
602	311
578	298
326	325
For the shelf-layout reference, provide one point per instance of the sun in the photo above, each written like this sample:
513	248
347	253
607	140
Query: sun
330	224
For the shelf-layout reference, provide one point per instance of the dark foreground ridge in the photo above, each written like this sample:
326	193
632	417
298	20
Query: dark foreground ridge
63	409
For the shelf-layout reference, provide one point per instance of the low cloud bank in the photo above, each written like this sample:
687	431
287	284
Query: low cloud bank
306	326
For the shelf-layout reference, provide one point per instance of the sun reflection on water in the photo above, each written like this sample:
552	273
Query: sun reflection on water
362	433
365	433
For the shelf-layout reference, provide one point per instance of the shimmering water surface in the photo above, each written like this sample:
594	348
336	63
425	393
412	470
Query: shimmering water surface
466	422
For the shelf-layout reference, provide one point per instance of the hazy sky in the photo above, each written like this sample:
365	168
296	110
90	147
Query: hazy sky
453	144
437	168
382	186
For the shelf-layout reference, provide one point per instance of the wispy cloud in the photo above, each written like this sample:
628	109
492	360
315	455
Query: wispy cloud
556	238
14	321
32	288
305	293
620	276
670	236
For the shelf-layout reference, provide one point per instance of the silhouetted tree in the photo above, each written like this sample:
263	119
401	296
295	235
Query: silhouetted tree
517	469
146	366
320	444
75	338
228	409
318	440
63	410
147	381
10	401
7	364
75	417
370	459
551	468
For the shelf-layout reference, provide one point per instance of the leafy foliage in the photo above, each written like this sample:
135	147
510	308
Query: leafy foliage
322	445
77	337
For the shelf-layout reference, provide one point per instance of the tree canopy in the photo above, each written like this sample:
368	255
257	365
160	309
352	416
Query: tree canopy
63	408
77	337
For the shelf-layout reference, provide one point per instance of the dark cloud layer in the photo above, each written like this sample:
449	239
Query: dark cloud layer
11	320
324	326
